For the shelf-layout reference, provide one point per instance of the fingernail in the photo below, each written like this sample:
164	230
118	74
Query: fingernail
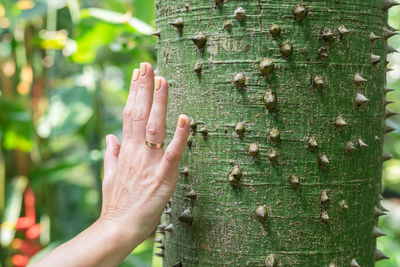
157	83
107	141
136	73
181	121
143	68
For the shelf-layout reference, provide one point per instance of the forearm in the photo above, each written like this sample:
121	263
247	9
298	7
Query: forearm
102	244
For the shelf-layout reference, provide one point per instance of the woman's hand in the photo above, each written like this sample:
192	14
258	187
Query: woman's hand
139	180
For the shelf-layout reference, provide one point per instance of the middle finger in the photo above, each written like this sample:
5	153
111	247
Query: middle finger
143	102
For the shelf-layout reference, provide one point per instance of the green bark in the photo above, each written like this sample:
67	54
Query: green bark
306	193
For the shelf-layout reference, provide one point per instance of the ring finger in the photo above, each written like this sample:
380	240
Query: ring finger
155	128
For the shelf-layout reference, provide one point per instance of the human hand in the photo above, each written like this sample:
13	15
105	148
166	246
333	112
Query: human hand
139	180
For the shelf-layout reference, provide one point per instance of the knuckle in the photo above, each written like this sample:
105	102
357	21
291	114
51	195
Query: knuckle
127	113
138	115
170	156
142	86
153	129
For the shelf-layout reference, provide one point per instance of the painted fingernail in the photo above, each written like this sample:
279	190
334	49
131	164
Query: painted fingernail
143	68
157	83
181	121
136	73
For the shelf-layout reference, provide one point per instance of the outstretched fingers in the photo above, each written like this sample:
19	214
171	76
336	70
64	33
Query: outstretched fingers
174	151
137	109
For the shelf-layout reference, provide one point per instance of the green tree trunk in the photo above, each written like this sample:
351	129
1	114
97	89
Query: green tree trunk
288	107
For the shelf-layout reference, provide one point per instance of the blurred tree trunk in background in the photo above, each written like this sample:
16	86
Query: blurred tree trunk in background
287	99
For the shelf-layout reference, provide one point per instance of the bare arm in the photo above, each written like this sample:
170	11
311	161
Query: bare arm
138	180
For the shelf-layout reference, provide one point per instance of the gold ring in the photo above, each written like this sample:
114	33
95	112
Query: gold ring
153	145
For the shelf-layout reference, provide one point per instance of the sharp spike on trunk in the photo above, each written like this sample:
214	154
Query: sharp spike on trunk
387	102
381	197
274	30
191	195
389	3
375	59
390	49
299	12
168	211
240	128
312	143
185	171
389	69
269	261
376	232
266	66
254	150
186	217
378	212
342	30
200	40
379	205
361	143
389	113
269	99
240	13
235	175
340	122
387	90
157	240
323	160
161	246
159	254
294	180
379	255
354	263
272	155
286	48
373	37
228	24
239	80
169	228
361	99
387	33
324	216
177	264
261	213
349	147
275	135
178	24
157	33
389	128
386	156
359	79
324	196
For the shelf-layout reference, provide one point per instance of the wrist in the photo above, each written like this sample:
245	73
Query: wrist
120	241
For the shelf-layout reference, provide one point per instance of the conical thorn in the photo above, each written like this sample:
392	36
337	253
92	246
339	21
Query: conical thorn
379	255
376	232
354	263
389	3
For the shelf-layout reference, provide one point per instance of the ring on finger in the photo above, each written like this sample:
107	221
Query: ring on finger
153	145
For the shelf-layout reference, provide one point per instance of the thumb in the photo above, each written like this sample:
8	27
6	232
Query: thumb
111	154
175	148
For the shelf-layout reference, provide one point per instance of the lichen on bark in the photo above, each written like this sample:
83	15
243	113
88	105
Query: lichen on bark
322	71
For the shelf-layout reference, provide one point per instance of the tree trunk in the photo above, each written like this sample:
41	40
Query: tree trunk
288	107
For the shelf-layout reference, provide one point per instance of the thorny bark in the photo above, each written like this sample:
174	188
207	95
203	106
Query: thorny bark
319	178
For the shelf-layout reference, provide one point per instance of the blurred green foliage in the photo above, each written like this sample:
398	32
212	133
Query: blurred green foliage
64	79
